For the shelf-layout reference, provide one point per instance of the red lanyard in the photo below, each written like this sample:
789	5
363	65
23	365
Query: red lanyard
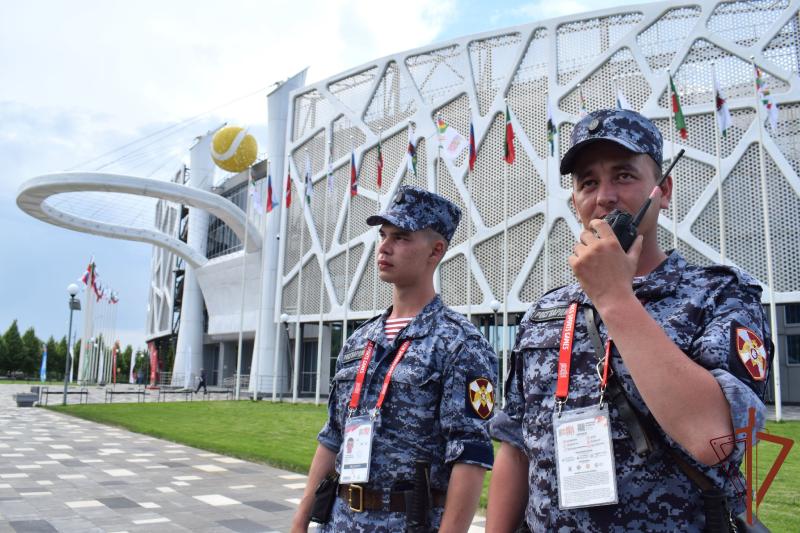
565	353
565	357
355	397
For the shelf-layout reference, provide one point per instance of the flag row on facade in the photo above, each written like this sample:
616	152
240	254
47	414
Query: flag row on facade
452	143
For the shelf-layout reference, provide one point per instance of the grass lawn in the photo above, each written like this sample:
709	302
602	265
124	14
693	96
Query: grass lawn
284	435
31	382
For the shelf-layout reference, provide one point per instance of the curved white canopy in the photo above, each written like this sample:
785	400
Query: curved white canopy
33	194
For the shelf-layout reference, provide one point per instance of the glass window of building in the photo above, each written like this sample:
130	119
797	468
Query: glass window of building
792	313
793	349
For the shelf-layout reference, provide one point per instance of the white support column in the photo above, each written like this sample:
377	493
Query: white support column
266	345
190	335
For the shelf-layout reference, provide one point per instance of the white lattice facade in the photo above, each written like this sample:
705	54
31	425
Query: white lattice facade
472	78
163	264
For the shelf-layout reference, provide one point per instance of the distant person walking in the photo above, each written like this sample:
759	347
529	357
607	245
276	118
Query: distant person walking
202	382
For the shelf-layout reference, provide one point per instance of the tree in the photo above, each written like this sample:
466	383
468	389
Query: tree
76	352
124	363
32	353
3	359
55	363
13	348
62	354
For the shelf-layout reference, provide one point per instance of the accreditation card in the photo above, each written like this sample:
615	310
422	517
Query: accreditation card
584	458
357	449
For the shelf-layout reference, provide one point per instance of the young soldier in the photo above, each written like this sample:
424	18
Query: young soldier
438	376
685	348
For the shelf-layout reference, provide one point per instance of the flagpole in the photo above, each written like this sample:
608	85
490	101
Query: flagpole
322	286
468	205
674	204
262	227
283	231
718	140
244	280
546	274
437	276
773	314
375	248
349	195
505	262
297	345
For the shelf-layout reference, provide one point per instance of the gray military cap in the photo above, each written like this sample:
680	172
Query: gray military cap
413	209
627	128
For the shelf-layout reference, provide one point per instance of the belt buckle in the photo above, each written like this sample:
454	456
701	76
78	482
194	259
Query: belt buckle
360	507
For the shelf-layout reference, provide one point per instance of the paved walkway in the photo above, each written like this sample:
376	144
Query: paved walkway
59	473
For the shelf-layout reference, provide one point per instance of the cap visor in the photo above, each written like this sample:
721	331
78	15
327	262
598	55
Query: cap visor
387	218
568	161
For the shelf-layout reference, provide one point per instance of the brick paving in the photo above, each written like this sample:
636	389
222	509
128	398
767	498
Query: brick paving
63	474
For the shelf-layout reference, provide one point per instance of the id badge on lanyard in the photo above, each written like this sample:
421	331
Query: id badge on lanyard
357	449
585	470
360	430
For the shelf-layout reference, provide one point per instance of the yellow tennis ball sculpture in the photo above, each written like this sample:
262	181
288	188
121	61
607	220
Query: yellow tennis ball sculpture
233	149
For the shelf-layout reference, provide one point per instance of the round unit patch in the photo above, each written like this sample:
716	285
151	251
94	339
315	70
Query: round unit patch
481	397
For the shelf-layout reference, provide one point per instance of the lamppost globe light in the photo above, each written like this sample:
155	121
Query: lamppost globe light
284	317
494	305
72	289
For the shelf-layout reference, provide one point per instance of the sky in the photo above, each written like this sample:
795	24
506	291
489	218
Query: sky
83	78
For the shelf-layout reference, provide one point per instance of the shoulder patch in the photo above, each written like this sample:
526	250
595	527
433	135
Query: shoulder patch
751	351
480	398
549	313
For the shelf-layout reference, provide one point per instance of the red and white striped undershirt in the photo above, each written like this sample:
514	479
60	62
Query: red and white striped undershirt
393	326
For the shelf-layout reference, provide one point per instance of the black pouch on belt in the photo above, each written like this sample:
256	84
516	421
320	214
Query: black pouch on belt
324	497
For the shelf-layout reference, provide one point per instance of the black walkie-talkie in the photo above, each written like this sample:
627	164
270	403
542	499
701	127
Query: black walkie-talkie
626	225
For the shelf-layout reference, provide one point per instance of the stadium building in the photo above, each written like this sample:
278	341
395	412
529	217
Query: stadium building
306	274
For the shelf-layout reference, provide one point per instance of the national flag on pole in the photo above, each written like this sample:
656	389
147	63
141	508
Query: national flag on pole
43	368
289	188
98	290
766	99
450	140
473	152
509	154
551	129
254	194
353	174
330	165
380	165
411	161
622	102
308	185
113	298
723	113
583	111
270	205
677	112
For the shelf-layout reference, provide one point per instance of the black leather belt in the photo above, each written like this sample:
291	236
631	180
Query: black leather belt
360	498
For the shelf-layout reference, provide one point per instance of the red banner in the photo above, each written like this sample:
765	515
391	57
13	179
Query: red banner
153	362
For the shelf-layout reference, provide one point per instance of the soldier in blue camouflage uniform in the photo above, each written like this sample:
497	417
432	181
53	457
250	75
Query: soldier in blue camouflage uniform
440	395
690	351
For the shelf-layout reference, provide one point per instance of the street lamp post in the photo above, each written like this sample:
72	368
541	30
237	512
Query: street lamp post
74	305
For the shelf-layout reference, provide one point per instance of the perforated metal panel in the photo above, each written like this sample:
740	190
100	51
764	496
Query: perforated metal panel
454	276
662	39
492	61
745	22
782	50
354	90
393	101
606	52
362	300
438	74
579	43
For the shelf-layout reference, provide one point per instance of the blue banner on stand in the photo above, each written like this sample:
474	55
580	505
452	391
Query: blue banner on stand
43	370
